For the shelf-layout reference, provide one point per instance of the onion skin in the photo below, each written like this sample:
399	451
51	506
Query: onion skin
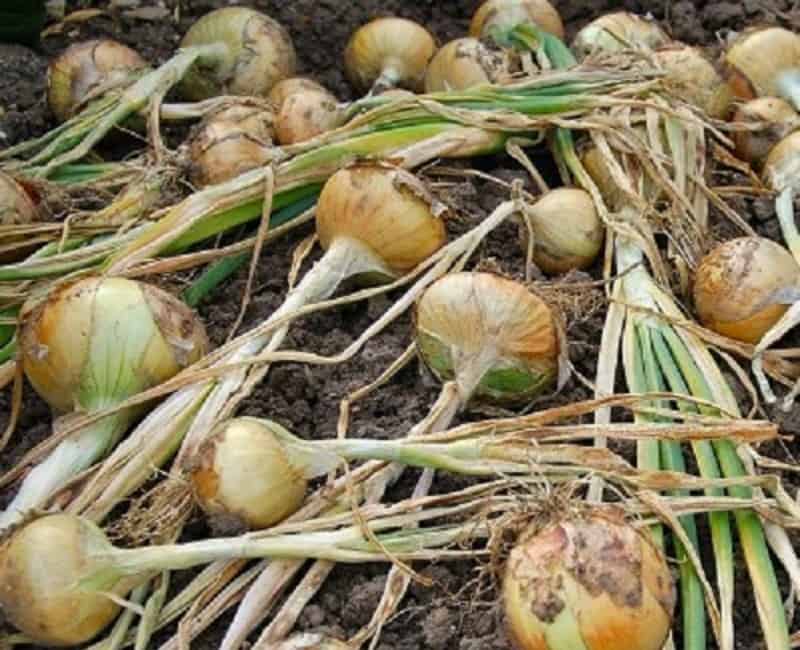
40	567
591	582
461	64
464	316
384	208
231	142
755	146
284	89
75	344
84	67
738	287
504	15
306	114
780	167
756	59
568	234
259	54
616	31
388	52
16	208
694	79
243	475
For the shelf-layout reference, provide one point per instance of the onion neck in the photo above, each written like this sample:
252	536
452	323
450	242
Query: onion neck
67	460
390	76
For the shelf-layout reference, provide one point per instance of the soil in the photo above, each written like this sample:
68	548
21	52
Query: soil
448	615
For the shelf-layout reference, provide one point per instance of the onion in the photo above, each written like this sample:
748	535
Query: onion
255	52
461	64
90	345
303	110
87	68
243	475
388	52
691	77
40	570
779	119
781	166
16	208
567	232
498	17
744	286
592	582
491	332
619	31
231	142
757	60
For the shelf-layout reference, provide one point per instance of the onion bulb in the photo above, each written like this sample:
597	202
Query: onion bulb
243	475
255	53
618	31
385	210
461	64
778	118
744	286
231	142
388	52
41	566
90	345
16	208
567	232
592	582
85	68
691	77
498	17
781	165
492	332
303	109
757	60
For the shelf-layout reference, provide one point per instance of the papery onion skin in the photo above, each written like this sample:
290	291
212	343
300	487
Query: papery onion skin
391	50
16	209
757	58
384	208
504	15
694	79
783	163
590	582
618	31
242	475
568	233
84	67
41	565
259	54
741	286
460	64
777	114
76	344
305	115
285	88
464	317
231	142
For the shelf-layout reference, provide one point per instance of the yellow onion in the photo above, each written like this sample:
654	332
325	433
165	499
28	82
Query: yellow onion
256	52
85	68
231	142
598	168
781	165
618	31
303	110
744	286
385	210
243	475
567	232
498	17
757	60
493	332
388	52
592	582
462	63
16	208
91	340
694	79
41	566
778	118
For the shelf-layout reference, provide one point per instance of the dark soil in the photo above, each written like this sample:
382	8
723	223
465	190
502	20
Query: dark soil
447	616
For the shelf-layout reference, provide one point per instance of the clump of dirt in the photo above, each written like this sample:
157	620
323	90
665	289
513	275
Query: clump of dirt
306	399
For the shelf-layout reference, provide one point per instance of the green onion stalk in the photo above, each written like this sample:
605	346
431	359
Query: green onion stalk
487	338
